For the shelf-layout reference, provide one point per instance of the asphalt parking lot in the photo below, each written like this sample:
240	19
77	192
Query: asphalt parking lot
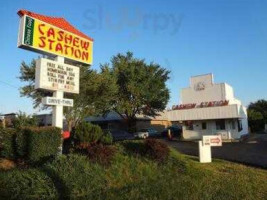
252	151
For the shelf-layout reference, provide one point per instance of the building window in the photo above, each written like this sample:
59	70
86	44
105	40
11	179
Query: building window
233	124
240	128
189	125
220	124
204	125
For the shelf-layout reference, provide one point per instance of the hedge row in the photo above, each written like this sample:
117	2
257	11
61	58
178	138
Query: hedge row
7	143
32	144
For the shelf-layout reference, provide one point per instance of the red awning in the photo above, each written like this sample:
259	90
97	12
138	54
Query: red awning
55	21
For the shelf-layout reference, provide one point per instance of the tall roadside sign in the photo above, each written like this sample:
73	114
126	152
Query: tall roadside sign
58	39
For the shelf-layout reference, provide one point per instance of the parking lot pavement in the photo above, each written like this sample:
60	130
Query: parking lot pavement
252	152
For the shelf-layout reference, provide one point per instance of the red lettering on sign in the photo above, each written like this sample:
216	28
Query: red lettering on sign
85	55
50	43
51	32
76	42
42	39
215	140
59	47
85	45
66	49
78	53
40	28
60	35
68	39
201	105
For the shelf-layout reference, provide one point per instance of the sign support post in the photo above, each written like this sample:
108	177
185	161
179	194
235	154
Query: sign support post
204	152
57	114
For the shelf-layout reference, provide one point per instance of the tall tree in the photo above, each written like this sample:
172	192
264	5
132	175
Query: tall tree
141	87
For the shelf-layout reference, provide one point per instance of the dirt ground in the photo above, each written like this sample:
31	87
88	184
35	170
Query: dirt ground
252	151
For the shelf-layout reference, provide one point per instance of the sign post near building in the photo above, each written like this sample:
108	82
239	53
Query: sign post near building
58	39
205	145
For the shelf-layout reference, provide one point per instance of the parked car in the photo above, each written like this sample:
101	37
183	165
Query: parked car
176	131
147	132
121	135
143	133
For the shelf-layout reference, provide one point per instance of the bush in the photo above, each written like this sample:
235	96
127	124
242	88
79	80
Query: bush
106	138
76	177
86	133
156	150
23	120
7	143
101	154
39	144
32	144
26	184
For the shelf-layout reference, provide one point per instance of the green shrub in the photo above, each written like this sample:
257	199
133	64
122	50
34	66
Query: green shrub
41	143
76	177
101	154
86	133
106	138
24	120
26	184
7	143
34	144
156	150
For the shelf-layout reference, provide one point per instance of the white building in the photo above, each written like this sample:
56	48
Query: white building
209	108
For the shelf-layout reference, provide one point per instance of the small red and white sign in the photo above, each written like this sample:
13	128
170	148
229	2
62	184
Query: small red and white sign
212	140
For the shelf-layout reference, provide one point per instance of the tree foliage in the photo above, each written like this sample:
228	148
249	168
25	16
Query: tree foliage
257	115
141	87
128	86
27	74
23	120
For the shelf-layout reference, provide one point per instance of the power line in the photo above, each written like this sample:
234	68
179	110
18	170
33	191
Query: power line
10	85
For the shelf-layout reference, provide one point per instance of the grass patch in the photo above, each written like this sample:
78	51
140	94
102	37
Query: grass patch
133	176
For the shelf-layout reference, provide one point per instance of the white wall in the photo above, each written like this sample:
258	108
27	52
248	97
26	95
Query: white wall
198	132
211	91
219	112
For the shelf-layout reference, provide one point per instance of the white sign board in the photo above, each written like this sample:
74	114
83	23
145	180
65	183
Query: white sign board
55	76
52	101
212	140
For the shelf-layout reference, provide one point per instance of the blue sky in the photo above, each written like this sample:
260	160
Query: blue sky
225	37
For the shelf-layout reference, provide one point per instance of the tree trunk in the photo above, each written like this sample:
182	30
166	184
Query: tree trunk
131	122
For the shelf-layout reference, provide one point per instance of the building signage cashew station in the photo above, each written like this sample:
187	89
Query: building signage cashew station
37	35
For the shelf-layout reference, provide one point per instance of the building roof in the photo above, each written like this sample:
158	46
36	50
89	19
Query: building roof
113	116
55	21
208	113
8	114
